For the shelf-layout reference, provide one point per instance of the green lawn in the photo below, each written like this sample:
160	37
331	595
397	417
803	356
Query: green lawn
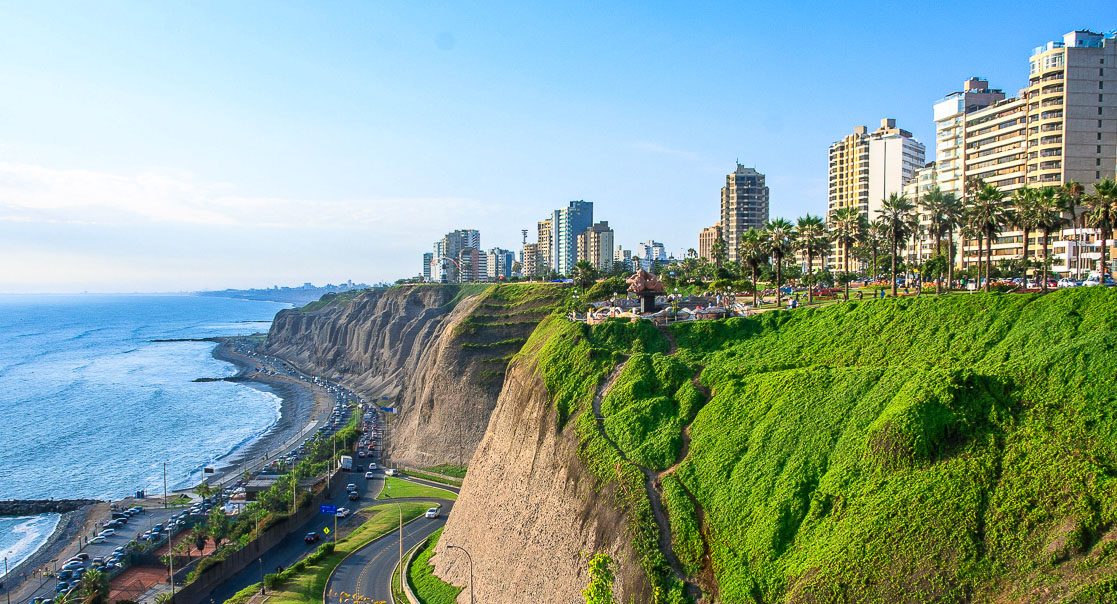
427	587
306	581
396	488
453	482
449	470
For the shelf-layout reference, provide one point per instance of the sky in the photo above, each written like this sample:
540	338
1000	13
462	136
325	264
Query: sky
157	146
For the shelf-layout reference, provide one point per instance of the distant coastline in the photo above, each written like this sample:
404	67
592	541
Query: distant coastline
299	296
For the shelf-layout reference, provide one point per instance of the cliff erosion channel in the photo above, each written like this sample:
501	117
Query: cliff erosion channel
439	352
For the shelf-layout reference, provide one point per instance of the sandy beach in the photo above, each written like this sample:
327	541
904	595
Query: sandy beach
301	404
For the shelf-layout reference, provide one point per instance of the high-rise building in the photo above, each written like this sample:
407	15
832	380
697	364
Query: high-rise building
651	252
529	265
706	241
744	205
924	180
498	264
447	250
474	265
623	258
545	245
950	114
566	223
427	259
595	245
866	167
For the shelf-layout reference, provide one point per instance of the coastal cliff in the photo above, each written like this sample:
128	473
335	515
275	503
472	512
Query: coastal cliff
955	449
438	352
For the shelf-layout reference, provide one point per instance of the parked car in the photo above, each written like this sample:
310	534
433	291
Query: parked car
433	513
98	539
107	532
310	538
1066	282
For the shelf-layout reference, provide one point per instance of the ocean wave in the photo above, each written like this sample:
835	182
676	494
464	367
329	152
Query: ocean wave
21	536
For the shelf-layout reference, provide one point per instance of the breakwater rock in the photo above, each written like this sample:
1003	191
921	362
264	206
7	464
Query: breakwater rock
29	507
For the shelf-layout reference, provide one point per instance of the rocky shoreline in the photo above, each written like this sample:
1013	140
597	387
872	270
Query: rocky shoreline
31	507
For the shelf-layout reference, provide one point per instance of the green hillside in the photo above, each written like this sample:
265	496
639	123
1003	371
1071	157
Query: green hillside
956	449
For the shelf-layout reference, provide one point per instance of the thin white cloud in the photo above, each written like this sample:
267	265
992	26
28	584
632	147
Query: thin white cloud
30	193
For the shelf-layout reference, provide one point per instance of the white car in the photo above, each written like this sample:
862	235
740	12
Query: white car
343	512
391	472
1066	282
372	466
370	475
107	533
97	539
433	513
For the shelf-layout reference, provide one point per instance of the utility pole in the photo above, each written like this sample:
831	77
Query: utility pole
164	485
7	588
171	557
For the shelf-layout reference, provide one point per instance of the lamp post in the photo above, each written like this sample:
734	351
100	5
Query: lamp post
7	588
398	505
470	558
263	588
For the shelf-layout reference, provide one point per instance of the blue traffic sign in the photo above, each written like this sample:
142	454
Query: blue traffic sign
327	509
388	409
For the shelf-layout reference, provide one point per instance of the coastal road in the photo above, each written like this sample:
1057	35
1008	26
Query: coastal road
292	548
368	572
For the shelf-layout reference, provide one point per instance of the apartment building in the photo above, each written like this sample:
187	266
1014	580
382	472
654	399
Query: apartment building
530	264
949	114
498	264
545	257
566	224
472	265
706	241
428	258
744	205
447	251
623	258
595	245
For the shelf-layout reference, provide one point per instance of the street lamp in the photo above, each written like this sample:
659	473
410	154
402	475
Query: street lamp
470	558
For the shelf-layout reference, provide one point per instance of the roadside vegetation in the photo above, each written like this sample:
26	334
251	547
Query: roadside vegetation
449	470
420	575
395	488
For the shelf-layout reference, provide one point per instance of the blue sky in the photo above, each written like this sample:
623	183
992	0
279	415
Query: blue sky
176	146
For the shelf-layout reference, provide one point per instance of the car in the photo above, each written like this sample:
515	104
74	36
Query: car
64	575
391	472
370	475
1066	282
61	587
433	513
110	565
311	537
71	566
371	466
78	573
119	550
350	487
98	561
343	512
107	532
354	495
81	556
98	539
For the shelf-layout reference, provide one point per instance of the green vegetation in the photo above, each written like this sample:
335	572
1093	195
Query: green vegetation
600	588
959	448
305	581
420	575
395	488
334	299
449	470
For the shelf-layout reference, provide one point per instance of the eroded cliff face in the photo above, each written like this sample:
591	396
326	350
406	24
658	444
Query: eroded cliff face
529	513
438	352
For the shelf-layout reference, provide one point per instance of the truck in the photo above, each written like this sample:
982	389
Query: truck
347	463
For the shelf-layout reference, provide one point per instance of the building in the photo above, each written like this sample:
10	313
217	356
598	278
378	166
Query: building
545	242
949	113
498	264
566	224
744	206
529	264
444	266
428	258
650	252
623	258
595	245
706	241
866	167
473	265
924	180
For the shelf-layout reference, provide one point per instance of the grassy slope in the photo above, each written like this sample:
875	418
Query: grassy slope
427	587
907	450
397	488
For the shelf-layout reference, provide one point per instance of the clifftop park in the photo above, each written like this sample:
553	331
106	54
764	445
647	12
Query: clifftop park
960	448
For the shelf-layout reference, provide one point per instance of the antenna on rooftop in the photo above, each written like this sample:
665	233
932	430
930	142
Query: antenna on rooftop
524	232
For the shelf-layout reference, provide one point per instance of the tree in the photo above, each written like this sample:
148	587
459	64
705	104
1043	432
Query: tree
217	526
811	239
987	214
876	233
203	489
1048	212
95	585
1101	214
778	244
600	588
952	218
1070	196
847	227
1025	217
719	253
584	274
894	213
934	209
751	252
199	538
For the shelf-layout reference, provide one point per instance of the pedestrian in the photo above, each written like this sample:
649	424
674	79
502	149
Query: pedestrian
860	295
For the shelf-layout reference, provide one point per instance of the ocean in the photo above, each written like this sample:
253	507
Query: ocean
91	407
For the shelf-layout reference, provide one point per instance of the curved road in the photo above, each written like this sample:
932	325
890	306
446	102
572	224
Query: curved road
366	575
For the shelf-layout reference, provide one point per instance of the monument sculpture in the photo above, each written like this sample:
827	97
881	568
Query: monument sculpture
647	286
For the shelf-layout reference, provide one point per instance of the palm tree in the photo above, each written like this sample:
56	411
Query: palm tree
1048	210
1102	214
778	244
875	234
987	212
1025	218
584	274
894	213
718	251
1070	195
952	218
933	208
751	252
811	239
95	585
915	228
847	228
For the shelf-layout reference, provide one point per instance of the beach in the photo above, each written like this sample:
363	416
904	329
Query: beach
301	404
